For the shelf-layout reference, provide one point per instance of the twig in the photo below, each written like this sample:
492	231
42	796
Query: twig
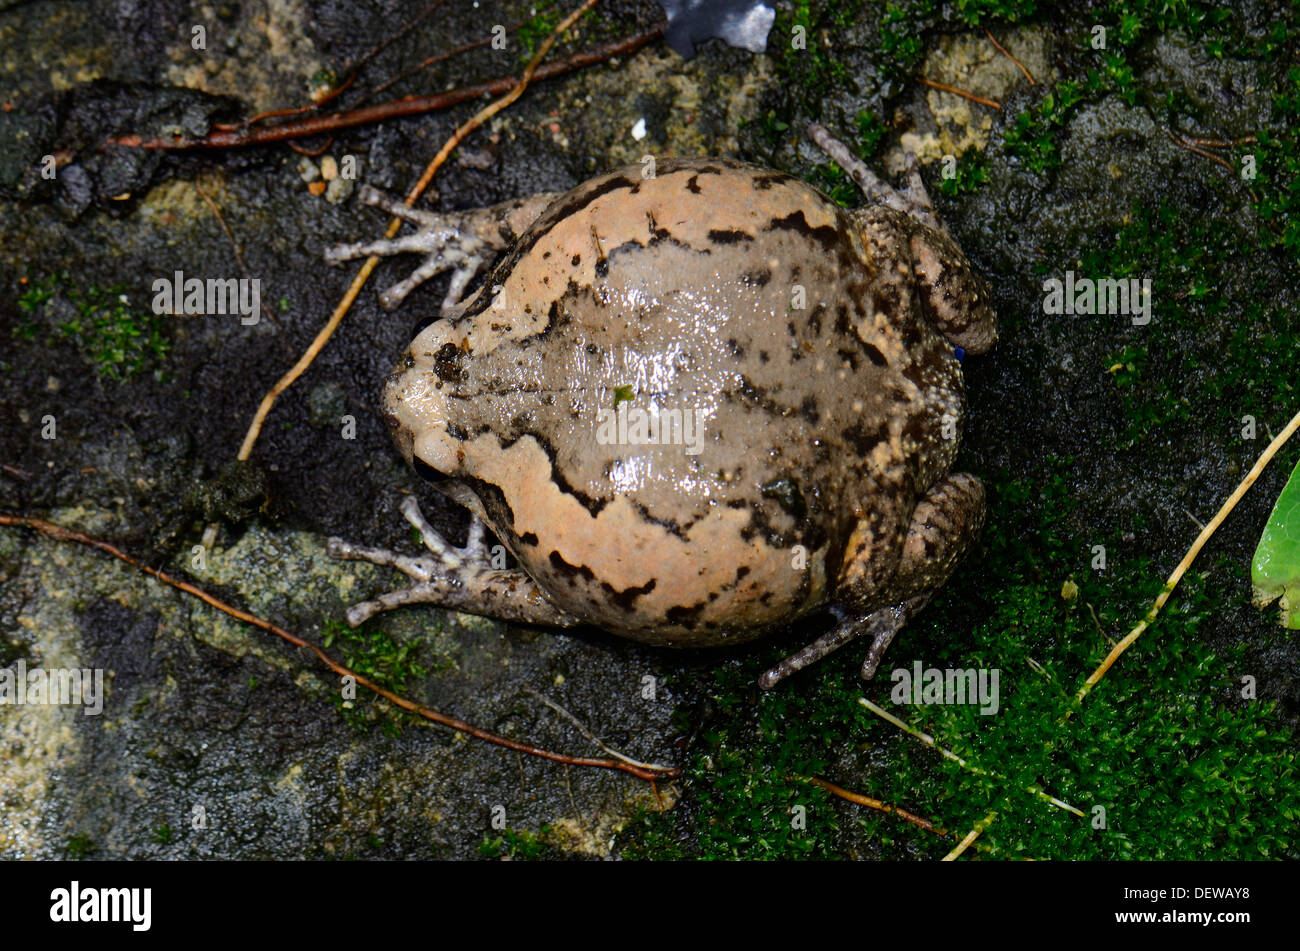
1219	143
239	254
648	773
585	731
311	153
408	106
351	77
928	740
1265	457
959	92
870	803
255	428
971	836
436	58
1183	144
1003	51
281	113
1097	624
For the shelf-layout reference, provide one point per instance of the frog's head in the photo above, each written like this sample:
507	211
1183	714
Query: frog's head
417	401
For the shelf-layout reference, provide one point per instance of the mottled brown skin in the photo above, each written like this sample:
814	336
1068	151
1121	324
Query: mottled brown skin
818	343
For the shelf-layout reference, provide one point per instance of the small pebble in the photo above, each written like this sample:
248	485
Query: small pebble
339	190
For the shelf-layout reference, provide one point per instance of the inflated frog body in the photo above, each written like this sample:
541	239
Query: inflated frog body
696	402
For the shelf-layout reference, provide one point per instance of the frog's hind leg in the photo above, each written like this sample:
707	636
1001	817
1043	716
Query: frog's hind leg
944	526
463	242
913	200
457	578
878	626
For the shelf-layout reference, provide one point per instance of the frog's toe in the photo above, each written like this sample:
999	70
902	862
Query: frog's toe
913	200
461	579
880	627
465	268
916	196
474	552
447	241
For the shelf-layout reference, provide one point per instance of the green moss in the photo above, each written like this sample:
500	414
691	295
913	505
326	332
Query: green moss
1196	357
373	654
970	174
164	835
1181	765
537	29
517	845
78	847
901	42
811	71
1032	138
119	341
1277	199
978	12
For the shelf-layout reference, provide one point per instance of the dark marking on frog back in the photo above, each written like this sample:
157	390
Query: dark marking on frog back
828	236
592	505
498	511
729	236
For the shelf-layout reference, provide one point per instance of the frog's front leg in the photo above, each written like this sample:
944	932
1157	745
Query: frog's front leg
457	578
944	526
913	200
463	242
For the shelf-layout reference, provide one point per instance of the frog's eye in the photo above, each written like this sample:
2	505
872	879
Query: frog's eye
423	322
427	472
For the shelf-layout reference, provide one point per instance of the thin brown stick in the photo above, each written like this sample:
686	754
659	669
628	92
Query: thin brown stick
971	836
432	60
1220	143
311	153
239	254
648	773
353	71
1003	51
408	106
959	92
1183	144
437	58
295	111
1265	457
870	803
255	428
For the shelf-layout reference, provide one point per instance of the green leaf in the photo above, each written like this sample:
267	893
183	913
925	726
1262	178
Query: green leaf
1275	569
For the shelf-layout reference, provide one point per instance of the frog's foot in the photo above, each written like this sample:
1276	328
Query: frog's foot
944	526
912	200
461	579
463	242
879	627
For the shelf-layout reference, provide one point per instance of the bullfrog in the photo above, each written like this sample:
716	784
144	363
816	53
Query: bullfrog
696	401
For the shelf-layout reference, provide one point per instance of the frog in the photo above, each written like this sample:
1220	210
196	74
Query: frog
695	400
